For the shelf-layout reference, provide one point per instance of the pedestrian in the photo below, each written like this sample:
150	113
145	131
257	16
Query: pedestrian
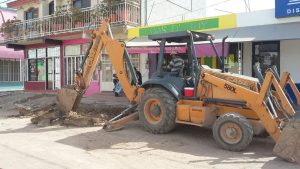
139	76
118	90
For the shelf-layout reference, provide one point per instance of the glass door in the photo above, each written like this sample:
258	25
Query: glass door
53	68
266	54
53	74
50	74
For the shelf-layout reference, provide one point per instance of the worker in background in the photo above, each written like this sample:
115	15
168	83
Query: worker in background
139	76
176	64
118	90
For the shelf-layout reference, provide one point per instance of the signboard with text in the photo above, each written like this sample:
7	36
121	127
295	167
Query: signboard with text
287	8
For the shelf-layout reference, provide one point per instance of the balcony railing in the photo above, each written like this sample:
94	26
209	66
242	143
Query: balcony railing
119	14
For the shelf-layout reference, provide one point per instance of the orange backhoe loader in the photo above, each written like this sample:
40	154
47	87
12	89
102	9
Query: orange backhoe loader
236	107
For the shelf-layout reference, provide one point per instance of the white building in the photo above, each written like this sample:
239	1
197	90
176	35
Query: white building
270	37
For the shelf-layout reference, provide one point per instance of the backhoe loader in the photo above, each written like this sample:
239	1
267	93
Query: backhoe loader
235	107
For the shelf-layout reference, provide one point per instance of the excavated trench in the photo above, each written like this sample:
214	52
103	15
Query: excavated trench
43	110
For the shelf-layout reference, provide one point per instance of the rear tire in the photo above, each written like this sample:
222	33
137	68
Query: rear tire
157	110
233	132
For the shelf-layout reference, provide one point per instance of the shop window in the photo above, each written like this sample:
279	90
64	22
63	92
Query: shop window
233	62
37	64
9	70
72	50
266	54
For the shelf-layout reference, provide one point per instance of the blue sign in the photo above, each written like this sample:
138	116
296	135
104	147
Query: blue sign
287	8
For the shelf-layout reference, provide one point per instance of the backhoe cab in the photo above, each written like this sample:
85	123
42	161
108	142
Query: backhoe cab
236	107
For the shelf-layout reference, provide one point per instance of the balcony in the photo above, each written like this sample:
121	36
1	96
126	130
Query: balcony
123	13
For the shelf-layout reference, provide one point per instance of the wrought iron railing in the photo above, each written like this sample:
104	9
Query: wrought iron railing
121	13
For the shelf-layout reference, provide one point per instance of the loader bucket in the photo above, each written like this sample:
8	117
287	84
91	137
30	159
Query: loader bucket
288	144
68	99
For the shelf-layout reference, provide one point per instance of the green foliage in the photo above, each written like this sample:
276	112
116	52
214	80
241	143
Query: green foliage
8	26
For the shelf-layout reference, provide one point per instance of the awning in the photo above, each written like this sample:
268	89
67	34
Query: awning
201	49
152	49
6	53
285	31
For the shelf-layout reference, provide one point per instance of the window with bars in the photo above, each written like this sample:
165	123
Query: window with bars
9	70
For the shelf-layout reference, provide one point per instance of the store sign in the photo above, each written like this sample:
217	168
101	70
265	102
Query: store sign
201	24
287	8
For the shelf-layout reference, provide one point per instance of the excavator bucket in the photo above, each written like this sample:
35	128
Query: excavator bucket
68	99
288	144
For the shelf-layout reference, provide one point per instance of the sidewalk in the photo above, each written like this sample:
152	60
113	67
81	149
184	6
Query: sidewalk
11	86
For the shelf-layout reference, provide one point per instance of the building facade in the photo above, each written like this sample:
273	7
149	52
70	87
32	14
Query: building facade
11	62
253	37
53	35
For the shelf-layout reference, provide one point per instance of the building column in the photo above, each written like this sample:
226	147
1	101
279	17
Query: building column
247	58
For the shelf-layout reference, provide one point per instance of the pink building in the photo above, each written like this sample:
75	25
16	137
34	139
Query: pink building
54	43
11	61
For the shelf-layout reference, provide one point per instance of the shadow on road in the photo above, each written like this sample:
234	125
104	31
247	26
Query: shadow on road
189	140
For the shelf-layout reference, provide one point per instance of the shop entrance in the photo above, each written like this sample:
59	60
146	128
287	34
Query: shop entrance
43	66
266	54
107	70
53	67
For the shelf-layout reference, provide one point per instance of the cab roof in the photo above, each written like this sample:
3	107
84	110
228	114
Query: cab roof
180	37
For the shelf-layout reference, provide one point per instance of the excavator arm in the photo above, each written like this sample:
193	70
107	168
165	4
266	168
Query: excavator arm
69	97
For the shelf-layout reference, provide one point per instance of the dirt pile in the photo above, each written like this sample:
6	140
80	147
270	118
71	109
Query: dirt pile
42	107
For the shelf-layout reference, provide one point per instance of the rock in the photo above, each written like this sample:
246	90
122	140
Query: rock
288	144
79	121
44	123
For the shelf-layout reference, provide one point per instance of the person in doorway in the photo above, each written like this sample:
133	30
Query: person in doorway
139	76
176	64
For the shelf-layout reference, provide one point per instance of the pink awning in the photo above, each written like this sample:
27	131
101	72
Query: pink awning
207	50
202	50
152	50
6	53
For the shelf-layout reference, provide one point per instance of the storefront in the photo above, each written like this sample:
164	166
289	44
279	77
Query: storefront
268	37
204	52
50	67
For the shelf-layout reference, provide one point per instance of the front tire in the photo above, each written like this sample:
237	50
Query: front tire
157	110
233	132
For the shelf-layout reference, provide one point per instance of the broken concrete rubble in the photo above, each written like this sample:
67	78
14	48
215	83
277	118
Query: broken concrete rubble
90	113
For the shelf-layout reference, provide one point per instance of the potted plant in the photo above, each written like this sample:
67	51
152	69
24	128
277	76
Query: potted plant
77	16
104	10
8	27
60	17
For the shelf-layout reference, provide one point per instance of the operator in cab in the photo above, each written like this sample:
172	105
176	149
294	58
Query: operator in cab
176	64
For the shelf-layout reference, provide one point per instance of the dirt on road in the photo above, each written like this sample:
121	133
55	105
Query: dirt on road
92	111
27	146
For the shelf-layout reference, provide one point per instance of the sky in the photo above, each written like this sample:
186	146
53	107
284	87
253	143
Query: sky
236	6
